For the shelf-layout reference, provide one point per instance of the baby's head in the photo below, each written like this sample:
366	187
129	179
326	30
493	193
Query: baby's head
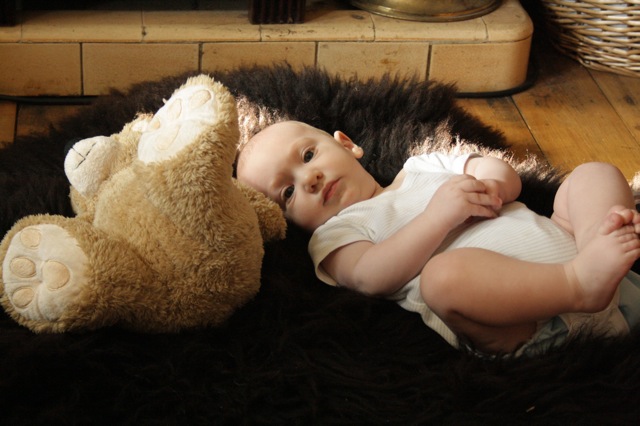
309	173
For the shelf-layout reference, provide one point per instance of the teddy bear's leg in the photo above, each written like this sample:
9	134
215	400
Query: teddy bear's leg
186	155
180	123
43	272
61	274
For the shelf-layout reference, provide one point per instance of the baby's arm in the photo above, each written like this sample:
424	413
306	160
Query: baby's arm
498	176
383	268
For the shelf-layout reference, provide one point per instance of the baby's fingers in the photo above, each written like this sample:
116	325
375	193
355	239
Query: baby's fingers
485	200
482	211
467	183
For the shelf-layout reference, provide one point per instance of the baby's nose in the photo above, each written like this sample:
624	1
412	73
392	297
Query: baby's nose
312	179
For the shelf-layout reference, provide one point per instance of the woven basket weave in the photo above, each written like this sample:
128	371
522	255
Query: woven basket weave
601	34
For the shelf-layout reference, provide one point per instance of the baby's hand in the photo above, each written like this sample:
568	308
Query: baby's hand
463	197
493	187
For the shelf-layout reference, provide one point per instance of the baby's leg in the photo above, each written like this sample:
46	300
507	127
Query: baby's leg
584	201
495	300
595	204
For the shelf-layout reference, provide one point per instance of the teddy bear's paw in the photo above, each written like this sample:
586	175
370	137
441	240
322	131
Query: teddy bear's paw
89	162
179	123
43	272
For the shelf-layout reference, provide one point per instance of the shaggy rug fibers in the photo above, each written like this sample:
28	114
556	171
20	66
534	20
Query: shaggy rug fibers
300	352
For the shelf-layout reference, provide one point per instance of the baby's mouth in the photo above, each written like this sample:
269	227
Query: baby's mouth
329	190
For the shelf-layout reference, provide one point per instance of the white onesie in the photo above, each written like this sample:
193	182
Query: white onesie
517	232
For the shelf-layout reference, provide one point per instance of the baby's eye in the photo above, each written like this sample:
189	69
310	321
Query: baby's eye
288	192
307	156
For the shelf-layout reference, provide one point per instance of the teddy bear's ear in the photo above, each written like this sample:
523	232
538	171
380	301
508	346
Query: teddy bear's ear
273	225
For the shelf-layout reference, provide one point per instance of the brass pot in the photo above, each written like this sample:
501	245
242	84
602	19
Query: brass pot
429	10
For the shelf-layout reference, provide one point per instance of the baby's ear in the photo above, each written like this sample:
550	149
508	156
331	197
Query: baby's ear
348	143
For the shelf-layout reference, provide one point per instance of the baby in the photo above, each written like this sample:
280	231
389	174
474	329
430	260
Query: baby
447	239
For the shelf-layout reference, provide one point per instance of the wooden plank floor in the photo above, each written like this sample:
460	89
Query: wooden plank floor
571	115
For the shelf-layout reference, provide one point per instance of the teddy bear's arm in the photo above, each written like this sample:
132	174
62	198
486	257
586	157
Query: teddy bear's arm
270	217
92	161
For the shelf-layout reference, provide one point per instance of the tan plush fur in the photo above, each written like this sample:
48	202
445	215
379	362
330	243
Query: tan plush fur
170	244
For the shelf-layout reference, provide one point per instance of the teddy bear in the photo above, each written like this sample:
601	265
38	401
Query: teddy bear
164	238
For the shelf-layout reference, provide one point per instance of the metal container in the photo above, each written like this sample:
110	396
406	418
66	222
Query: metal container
429	10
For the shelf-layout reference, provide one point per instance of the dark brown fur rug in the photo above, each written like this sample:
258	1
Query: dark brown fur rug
301	352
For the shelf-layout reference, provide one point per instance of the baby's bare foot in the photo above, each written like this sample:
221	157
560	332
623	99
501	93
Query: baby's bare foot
603	262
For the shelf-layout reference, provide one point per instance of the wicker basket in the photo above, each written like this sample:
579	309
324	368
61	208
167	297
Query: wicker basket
601	34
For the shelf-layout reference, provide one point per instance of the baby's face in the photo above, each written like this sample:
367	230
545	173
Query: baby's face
309	173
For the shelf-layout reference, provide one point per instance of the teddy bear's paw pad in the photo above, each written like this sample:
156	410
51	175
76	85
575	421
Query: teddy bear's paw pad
43	272
89	162
180	122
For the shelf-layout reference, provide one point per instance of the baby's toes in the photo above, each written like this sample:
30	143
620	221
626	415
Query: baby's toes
627	214
613	221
